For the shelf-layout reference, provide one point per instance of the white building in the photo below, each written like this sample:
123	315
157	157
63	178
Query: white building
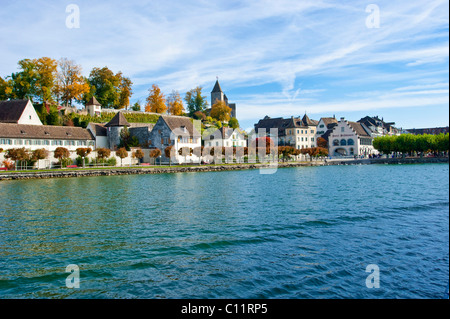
18	112
93	107
350	139
178	132
224	137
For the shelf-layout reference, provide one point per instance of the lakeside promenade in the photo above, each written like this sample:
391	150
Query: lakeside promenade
136	170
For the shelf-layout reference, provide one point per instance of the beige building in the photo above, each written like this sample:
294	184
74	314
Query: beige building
299	133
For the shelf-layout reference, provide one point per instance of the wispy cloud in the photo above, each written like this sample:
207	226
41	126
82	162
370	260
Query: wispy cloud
268	54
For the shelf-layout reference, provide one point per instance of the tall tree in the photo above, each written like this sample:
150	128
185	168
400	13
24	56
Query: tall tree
70	84
221	111
46	69
108	87
125	91
175	103
35	80
24	81
156	101
195	100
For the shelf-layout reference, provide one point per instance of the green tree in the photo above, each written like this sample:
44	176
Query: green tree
136	106
111	90
233	123
127	140
195	101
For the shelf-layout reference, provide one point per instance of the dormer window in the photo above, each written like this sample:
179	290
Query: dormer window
22	132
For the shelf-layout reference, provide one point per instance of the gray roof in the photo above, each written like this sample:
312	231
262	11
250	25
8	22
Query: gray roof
118	120
11	111
28	131
99	129
217	87
358	128
93	101
177	122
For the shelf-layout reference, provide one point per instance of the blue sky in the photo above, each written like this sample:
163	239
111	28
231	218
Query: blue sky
276	58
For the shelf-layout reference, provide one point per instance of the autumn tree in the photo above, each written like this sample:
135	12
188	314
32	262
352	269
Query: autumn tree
321	142
46	69
221	111
175	104
125	91
83	152
156	101
17	154
39	154
63	154
169	152
122	153
103	153
139	154
70	84
155	153
5	88
195	101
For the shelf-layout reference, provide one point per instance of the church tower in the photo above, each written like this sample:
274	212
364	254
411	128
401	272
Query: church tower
218	95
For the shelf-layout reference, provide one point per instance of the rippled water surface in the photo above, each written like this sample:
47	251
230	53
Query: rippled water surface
306	232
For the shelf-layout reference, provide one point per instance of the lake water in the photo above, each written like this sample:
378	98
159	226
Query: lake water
307	232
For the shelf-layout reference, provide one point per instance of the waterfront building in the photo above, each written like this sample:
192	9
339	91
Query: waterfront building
226	137
295	131
350	139
325	127
20	126
178	132
378	127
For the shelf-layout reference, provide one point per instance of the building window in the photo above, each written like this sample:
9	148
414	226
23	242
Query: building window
336	143
312	131
321	126
343	142
350	141
352	151
342	129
